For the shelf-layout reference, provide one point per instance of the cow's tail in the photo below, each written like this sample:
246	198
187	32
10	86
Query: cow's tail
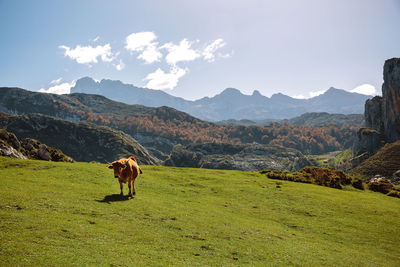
140	170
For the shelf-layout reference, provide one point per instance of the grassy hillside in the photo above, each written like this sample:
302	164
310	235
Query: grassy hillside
68	214
385	162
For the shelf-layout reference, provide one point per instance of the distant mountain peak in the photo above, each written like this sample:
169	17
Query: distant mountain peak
231	91
335	91
256	93
228	104
278	96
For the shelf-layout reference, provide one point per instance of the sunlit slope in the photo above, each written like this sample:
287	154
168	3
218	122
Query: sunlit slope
66	214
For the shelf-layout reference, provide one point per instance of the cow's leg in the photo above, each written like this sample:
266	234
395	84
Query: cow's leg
129	186
121	186
133	188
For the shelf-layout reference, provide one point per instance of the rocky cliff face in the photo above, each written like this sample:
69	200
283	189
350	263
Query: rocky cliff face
382	115
391	99
26	148
374	114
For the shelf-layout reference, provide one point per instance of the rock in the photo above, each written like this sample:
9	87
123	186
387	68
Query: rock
368	141
28	148
8	151
382	114
391	99
396	176
380	184
10	139
374	114
44	153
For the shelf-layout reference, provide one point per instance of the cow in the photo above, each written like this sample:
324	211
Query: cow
126	170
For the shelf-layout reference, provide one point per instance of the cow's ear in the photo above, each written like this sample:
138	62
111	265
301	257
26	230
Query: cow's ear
110	166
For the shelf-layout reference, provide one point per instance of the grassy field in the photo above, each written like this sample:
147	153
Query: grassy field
55	214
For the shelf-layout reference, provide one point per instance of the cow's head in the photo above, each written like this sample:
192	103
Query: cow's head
118	167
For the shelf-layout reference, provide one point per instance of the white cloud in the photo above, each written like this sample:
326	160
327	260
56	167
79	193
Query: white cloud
365	89
120	65
317	93
161	80
64	88
89	54
144	42
309	95
150	54
139	41
57	81
181	52
96	39
299	97
209	50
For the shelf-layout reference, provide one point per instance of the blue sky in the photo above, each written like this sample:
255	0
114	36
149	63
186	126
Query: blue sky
198	48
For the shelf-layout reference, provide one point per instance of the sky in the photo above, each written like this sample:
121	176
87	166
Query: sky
193	49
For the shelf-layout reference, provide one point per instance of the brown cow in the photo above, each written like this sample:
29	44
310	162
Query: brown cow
126	170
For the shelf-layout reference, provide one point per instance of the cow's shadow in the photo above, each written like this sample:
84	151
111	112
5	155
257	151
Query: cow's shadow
114	198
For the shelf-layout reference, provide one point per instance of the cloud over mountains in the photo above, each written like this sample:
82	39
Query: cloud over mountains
145	47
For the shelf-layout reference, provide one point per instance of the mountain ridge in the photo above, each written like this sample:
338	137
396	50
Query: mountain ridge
231	103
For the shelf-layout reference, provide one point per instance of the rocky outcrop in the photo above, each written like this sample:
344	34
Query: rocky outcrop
8	151
382	115
250	157
10	146
81	141
374	114
368	141
391	99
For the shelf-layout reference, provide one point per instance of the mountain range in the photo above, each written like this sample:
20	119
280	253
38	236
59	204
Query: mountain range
230	103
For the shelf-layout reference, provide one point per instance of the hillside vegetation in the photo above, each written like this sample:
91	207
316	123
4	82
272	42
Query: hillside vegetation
58	214
385	162
81	141
159	129
324	119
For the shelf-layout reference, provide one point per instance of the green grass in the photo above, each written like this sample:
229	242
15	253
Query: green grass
342	160
54	214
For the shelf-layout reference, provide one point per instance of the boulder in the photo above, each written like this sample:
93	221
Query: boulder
43	152
8	151
10	139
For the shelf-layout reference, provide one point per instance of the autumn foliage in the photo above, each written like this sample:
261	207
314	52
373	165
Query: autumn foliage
172	124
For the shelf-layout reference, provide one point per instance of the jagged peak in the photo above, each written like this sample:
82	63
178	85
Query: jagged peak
280	96
256	93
